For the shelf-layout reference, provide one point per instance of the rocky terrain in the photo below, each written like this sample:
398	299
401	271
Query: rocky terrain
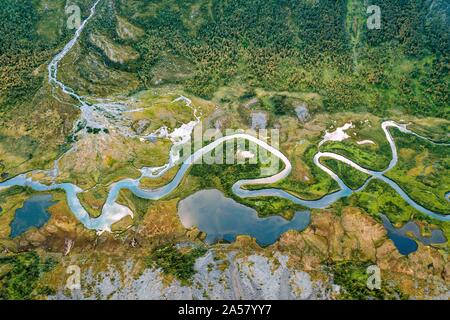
298	266
108	102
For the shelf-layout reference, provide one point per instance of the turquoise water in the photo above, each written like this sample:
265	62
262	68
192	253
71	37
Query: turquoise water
113	212
223	218
33	214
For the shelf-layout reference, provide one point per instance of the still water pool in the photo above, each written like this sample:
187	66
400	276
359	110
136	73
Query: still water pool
405	238
34	213
223	218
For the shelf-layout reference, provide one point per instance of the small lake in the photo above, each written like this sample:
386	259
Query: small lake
403	241
34	213
223	218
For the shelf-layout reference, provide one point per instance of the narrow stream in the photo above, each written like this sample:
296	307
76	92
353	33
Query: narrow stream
112	212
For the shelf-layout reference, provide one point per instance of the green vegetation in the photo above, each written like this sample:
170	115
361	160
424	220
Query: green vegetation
379	197
19	276
5	194
272	206
174	262
318	184
369	159
242	55
31	32
26	44
139	206
223	177
298	46
280	105
352	277
423	171
353	178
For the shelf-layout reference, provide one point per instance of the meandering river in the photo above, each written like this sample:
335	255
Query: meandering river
112	212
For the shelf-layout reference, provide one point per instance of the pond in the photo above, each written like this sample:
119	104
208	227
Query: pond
223	218
405	238
34	213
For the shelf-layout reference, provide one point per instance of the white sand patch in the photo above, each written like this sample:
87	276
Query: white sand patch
338	135
365	142
182	134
